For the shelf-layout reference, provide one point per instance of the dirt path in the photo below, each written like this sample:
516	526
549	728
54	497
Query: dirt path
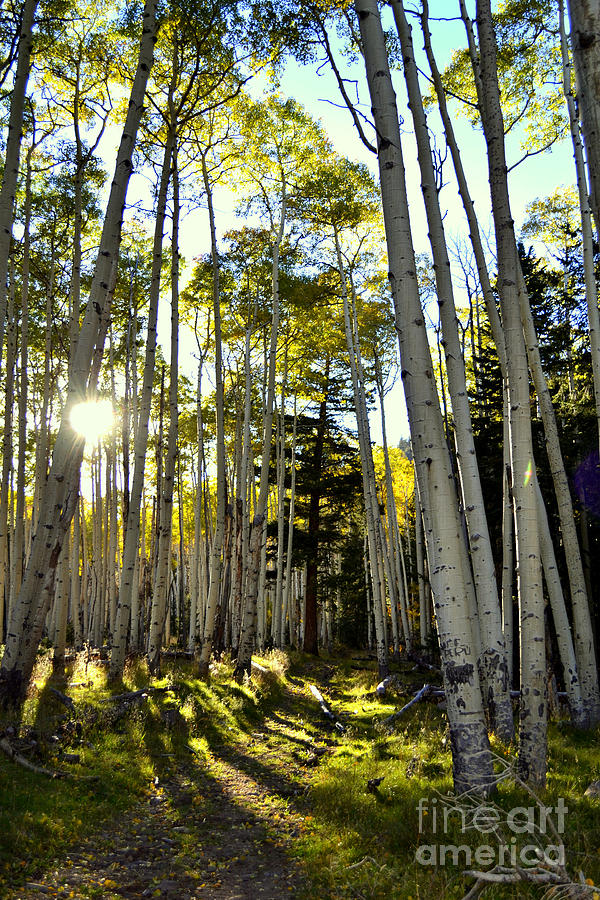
221	829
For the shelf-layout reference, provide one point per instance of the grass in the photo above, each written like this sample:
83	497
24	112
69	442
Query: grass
364	844
352	842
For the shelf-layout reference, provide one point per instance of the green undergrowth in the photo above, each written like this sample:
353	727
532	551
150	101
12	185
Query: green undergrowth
364	842
353	839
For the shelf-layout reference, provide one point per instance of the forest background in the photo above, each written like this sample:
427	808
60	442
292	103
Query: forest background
225	493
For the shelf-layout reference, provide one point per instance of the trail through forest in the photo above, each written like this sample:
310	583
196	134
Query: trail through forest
221	830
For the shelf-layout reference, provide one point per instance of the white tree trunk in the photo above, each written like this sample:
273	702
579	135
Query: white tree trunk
60	494
532	735
214	590
492	659
368	475
587	237
162	582
585	42
13	151
132	527
255	567
471	753
561	621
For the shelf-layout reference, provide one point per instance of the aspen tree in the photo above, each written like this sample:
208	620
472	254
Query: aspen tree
132	526
13	151
392	516
214	577
7	450
162	581
371	507
584	641
492	660
286	603
75	589
256	557
198	557
561	621
587	235
278	619
18	549
584	638
585	42
471	754
58	500
533	710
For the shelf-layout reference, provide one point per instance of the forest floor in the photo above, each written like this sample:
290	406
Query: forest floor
226	791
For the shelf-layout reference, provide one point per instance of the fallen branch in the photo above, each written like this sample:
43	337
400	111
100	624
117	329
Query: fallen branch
361	862
132	696
259	668
325	709
420	695
10	751
66	700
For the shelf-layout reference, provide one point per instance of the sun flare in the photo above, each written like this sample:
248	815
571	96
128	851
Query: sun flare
93	419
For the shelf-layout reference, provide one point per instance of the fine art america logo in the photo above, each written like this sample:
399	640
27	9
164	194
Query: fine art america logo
524	836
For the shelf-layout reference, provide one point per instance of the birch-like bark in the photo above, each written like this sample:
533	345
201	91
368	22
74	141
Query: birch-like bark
61	603
41	450
368	474
424	621
587	236
7	453
471	754
197	551
281	491
18	550
533	713
392	517
60	494
13	152
564	640
286	605
248	629
214	589
582	622
492	659
132	528
585	43
75	579
508	550
162	582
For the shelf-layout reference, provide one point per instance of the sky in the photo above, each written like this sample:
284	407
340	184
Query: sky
316	88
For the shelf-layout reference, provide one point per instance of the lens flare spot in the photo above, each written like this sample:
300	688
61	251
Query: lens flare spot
93	419
528	474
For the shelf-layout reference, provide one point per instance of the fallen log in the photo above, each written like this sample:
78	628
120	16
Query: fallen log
13	754
325	709
64	698
132	696
420	695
